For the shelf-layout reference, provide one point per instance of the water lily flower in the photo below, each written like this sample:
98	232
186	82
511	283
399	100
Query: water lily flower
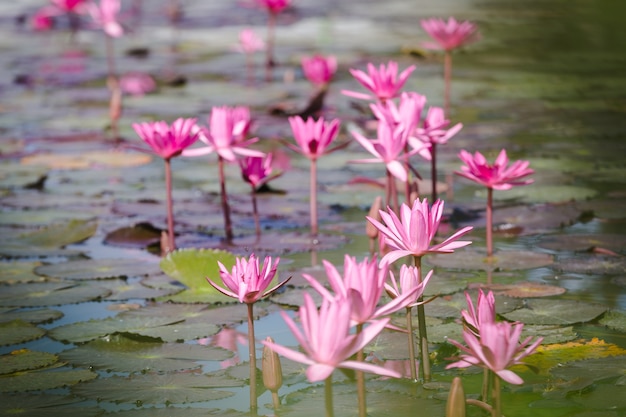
449	35
319	69
413	232
496	176
363	283
313	138
484	312
105	16
168	141
246	281
274	6
256	171
137	83
43	19
409	283
497	348
249	42
327	341
384	82
70	5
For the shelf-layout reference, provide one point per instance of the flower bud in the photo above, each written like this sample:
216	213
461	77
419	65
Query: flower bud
272	370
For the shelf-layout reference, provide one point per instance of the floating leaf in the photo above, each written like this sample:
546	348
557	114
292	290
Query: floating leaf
43	380
14	272
583	242
544	193
120	354
551	334
164	389
124	290
559	312
31	316
42	405
49	294
18	331
180	412
87	160
43	217
615	320
592	264
471	259
24	360
524	289
139	235
98	268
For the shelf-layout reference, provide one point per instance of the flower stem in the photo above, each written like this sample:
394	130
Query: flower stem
252	356
170	205
497	406
489	221
421	320
392	193
447	76
433	170
409	326
328	395
269	51
360	378
228	227
255	213
313	199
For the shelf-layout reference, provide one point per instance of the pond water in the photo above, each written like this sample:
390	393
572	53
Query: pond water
89	323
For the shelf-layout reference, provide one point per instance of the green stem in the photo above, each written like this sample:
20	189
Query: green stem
328	395
489	222
433	170
313	199
252	356
421	319
169	205
409	326
360	379
497	406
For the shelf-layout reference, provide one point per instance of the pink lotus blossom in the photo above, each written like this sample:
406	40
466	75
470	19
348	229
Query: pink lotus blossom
363	284
327	341
249	42
313	136
384	82
409	282
105	16
226	134
137	83
449	35
256	170
70	5
165	140
485	312
246	282
43	19
498	176
413	232
497	348
318	69
434	131
274	6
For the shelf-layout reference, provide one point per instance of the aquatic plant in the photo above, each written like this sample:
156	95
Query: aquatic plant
496	176
248	283
273	7
383	82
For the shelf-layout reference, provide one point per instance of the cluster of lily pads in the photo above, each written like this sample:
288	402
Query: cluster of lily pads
337	327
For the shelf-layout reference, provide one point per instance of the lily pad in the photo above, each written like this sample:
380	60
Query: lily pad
592	264
85	160
537	193
43	380
124	290
98	269
42	217
139	235
583	242
41	405
42	315
165	389
120	354
615	320
49	294
559	312
551	334
24	360
524	289
14	272
472	259
18	331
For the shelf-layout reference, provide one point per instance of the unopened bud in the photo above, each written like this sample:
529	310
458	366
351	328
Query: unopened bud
455	407
374	213
272	370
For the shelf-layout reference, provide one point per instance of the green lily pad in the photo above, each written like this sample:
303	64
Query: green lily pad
555	312
180	412
139	235
14	175
164	389
42	315
42	217
577	375
87	159
124	290
442	332
615	320
524	289
583	242
14	272
18	331
120	354
41	405
473	259
98	268
24	360
43	380
551	334
592	264
49	294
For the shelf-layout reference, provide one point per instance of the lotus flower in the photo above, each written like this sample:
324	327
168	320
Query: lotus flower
318	69
70	5
137	83
449	35
384	82
498	176
274	6
249	42
497	349
485	312
105	16
413	232
326	340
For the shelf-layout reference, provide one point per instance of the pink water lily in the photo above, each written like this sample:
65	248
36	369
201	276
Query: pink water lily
249	42
363	284
257	170
313	137
409	283
168	141
497	348
384	83
327	341
319	69
246	281
274	6
137	83
105	16
70	5
225	136
499	175
435	131
484	312
448	35
413	232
